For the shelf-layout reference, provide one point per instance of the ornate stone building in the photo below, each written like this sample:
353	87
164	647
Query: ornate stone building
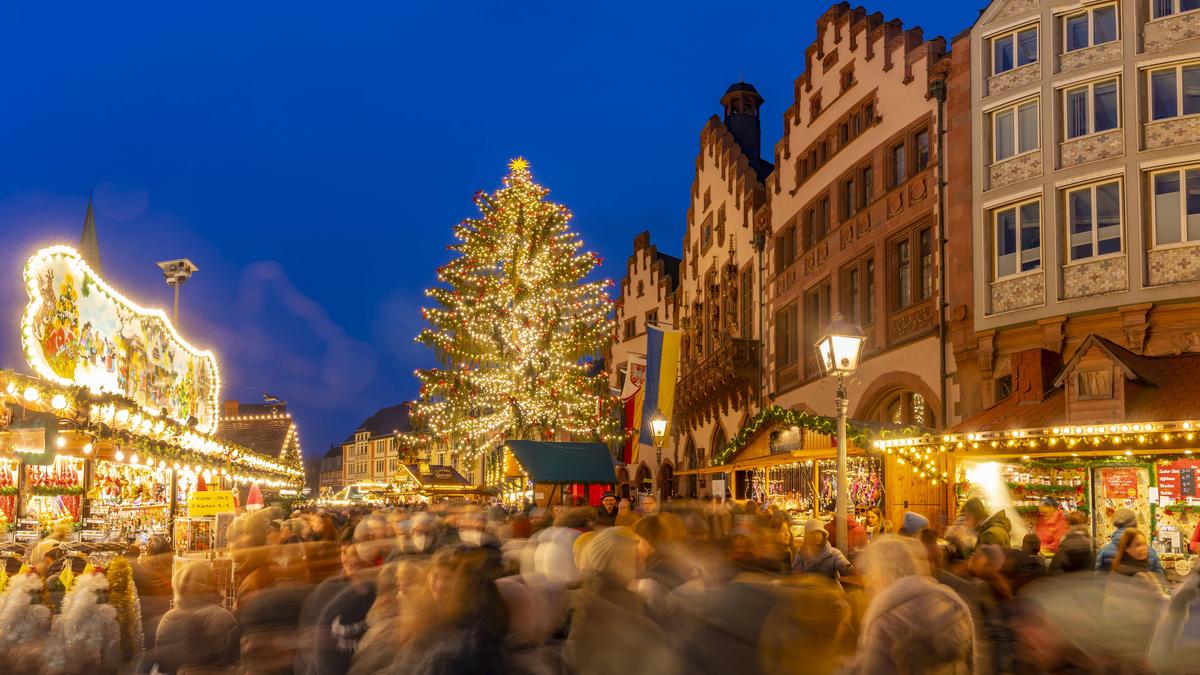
374	451
1085	182
854	222
720	288
647	298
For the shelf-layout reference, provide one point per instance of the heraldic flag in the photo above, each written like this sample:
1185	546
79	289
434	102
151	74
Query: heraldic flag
662	366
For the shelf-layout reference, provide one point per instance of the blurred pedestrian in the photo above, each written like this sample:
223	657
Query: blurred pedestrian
606	513
994	529
817	556
912	524
1122	520
198	632
1051	525
1075	552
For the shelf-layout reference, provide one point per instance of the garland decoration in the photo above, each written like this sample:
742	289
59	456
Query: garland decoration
790	418
123	596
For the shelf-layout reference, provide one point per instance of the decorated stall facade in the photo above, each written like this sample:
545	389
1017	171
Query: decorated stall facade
547	473
1109	429
116	429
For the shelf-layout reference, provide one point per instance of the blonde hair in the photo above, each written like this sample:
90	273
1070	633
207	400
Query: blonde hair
891	558
612	554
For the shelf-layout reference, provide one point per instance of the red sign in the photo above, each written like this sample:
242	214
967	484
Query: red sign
1119	483
1177	480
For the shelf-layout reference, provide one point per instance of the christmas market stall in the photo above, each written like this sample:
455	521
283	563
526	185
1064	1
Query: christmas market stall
1108	430
424	483
788	457
546	473
116	432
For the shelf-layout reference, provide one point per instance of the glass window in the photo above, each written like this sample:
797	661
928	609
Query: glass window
1191	89
1077	32
1002	54
1163	8
1094	220
1077	112
899	169
926	247
1104	24
1175	91
1094	27
1091	108
1015	130
1005	143
1014	50
1027	127
868	184
1031	236
1104	111
848	202
1176	206
1027	47
903	279
869	302
1018	239
922	149
853	301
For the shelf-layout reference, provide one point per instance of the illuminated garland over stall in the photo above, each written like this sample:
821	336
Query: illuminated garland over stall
515	325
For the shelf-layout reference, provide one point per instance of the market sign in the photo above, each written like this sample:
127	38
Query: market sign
79	331
210	503
1177	480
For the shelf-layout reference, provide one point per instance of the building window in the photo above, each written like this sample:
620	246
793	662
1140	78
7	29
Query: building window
1018	232
901	282
1175	210
867	181
859	292
1094	384
1163	8
748	303
814	107
921	140
379	467
1175	91
785	249
706	233
847	78
1015	49
786	345
1094	220
1014	130
1091	108
1095	26
899	167
925	261
652	317
849	204
817	312
908	408
707	198
394	465
630	328
1003	387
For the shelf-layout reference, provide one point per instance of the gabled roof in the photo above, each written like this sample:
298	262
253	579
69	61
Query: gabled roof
386	421
334	451
1135	366
268	435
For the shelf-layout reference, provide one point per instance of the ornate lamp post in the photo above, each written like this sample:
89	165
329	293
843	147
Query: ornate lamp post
838	352
658	429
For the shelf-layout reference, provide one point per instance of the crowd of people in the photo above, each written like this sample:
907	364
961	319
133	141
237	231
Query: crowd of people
682	587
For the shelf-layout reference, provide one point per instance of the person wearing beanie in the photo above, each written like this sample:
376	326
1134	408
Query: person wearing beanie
817	556
912	524
198	632
1051	525
606	513
1122	520
995	529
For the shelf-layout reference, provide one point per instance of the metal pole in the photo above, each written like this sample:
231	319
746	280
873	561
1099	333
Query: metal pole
176	285
939	92
843	487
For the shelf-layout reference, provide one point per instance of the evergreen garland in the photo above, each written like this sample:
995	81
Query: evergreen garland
788	418
123	596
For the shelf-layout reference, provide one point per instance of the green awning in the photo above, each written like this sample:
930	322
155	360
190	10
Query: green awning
548	462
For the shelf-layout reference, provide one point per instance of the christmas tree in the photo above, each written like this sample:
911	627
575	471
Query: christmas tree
516	327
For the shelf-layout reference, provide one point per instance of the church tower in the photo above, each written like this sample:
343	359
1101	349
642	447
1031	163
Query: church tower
89	245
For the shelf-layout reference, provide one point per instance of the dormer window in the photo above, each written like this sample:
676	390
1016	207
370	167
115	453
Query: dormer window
1094	384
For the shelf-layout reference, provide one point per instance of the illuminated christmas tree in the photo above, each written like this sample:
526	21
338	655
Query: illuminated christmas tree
516	328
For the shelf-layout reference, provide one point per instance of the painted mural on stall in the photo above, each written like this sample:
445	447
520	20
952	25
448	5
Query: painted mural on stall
80	331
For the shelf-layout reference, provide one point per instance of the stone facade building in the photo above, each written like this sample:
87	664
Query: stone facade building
648	298
1085	181
854	222
720	287
374	451
331	478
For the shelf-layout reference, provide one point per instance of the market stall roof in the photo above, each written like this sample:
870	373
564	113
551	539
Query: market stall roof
436	476
560	462
266	429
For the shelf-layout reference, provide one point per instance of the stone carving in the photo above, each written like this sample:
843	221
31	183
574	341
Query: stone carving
1109	275
1014	79
895	202
864	224
1092	148
1018	293
1134	322
917	190
1080	58
1015	170
1014	8
1161	34
1174	265
1176	131
1185	342
914	321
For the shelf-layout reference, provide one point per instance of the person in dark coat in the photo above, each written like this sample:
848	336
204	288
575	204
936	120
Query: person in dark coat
817	556
606	513
995	529
198	632
1124	519
1075	552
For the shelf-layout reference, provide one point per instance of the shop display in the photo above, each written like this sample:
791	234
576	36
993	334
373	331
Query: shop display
865	478
791	486
55	492
128	484
1029	484
9	488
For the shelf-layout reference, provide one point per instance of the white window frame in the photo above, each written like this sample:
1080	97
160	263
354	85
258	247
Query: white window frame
1015	109
1175	11
1066	215
1015	207
1181	171
1012	35
1091	26
1178	69
1091	104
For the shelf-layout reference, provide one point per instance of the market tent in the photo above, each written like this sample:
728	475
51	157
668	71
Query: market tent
551	462
436	476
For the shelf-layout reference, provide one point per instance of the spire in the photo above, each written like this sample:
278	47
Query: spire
89	245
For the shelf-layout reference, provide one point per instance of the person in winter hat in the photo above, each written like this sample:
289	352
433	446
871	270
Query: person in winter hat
912	624
817	556
198	631
995	529
1124	519
1075	552
912	524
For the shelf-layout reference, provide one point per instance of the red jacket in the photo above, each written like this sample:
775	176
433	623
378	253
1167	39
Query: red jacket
855	531
1195	544
1051	530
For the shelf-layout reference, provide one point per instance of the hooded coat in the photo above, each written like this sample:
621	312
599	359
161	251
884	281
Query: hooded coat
198	631
916	626
827	561
996	529
1104	559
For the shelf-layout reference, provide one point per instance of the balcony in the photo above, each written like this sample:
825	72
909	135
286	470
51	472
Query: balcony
724	379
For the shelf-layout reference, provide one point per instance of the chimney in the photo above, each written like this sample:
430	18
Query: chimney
1033	373
230	408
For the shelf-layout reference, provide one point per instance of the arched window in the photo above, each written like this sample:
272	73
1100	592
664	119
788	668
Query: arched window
908	408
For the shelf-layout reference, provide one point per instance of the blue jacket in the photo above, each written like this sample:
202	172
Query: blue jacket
1104	559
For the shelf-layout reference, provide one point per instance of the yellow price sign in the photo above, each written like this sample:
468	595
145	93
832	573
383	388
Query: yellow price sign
210	503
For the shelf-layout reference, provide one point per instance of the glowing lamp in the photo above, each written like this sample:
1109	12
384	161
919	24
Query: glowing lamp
58	402
839	349
31	394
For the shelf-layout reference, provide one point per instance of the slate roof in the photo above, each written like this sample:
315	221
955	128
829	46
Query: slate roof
386	421
671	267
265	429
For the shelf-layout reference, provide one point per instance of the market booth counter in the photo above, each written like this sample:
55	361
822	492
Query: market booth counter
548	473
1108	430
788	457
425	483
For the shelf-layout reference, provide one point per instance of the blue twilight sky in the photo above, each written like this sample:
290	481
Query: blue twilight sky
312	157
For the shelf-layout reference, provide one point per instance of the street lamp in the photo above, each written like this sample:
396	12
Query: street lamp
658	429
838	352
176	272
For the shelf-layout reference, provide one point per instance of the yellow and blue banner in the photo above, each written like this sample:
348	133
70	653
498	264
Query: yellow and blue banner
662	368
